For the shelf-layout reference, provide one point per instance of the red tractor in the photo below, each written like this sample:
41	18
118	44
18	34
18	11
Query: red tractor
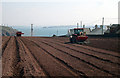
19	33
78	35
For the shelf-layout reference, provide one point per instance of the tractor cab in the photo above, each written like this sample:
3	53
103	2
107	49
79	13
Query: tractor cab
78	31
78	35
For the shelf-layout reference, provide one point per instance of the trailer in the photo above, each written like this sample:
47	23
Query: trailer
19	33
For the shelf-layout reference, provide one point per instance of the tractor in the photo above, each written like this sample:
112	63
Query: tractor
19	33
78	35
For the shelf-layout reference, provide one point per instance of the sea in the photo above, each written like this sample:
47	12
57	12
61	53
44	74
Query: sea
45	31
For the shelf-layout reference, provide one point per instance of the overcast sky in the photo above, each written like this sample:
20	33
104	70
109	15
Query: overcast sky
58	12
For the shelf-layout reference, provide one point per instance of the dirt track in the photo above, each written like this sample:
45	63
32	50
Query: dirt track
36	56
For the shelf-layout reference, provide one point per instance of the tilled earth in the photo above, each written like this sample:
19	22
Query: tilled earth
55	57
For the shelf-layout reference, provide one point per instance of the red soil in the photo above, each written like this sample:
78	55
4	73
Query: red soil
37	56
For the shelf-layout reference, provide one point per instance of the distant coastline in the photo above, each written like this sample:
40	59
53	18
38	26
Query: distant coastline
47	31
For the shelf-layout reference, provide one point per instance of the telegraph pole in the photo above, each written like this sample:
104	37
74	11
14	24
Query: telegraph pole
83	28
77	25
31	29
102	24
81	23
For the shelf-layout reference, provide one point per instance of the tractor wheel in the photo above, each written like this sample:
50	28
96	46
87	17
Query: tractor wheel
74	39
71	40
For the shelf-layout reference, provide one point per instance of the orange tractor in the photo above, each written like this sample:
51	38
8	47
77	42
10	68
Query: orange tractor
78	35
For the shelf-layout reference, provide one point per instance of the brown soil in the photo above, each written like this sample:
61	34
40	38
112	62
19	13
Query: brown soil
111	44
53	57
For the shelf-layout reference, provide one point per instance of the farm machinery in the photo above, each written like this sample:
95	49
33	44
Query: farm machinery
77	35
19	33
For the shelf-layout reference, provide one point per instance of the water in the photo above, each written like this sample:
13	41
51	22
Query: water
44	31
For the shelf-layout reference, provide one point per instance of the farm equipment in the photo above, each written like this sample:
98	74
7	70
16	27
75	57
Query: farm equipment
19	33
78	35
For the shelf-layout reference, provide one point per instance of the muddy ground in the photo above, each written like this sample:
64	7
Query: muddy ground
54	57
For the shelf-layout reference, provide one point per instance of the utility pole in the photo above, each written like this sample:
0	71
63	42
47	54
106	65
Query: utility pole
83	28
77	25
81	23
31	29
102	24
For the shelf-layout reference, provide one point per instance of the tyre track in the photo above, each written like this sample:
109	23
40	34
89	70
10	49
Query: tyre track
60	61
113	56
107	60
31	62
97	51
59	40
82	46
24	56
9	59
19	69
76	58
115	66
83	60
5	45
5	57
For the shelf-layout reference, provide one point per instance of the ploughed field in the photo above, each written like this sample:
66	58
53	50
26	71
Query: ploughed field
54	56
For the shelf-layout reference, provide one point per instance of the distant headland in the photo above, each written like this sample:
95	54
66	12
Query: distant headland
7	31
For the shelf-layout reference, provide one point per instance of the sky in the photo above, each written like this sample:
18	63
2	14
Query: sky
58	12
